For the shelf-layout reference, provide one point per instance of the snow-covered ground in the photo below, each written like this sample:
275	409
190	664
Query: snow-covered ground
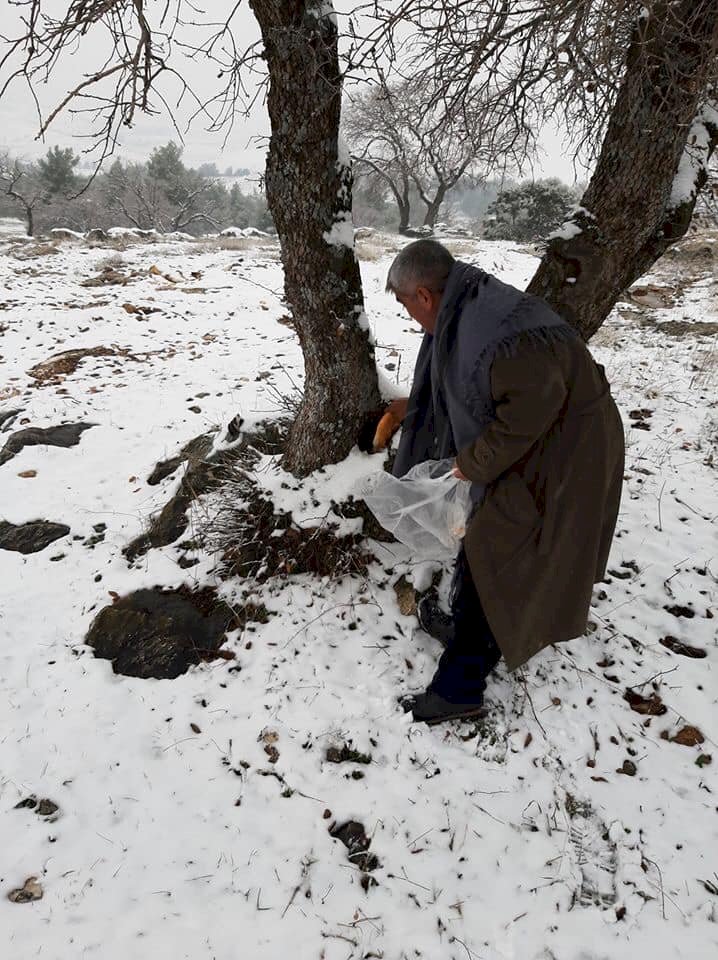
564	827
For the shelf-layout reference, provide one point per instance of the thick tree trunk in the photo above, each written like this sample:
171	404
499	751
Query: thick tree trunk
309	194
404	216
29	216
433	207
642	193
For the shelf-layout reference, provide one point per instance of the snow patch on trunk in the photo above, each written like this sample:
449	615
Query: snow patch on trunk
695	156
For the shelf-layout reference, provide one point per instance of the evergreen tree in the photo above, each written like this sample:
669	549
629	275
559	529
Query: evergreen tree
529	212
56	171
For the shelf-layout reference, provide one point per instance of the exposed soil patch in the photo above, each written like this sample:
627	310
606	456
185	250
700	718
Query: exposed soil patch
346	754
681	328
65	363
65	435
30	537
687	736
678	610
353	835
260	543
109	276
682	649
31	890
42	807
162	633
651	706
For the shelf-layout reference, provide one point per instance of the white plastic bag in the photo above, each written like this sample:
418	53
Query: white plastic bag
426	509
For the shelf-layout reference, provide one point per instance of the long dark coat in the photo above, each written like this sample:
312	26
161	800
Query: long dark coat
553	464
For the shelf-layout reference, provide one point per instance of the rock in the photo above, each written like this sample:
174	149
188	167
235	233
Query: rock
652	296
29	891
65	435
30	537
8	417
97	234
196	449
62	233
628	768
160	633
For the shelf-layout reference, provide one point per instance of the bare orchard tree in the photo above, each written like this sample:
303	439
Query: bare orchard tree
308	179
635	86
132	194
399	132
20	182
380	146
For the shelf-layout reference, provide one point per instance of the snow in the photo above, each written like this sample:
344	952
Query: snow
695	156
496	841
341	232
243	232
321	9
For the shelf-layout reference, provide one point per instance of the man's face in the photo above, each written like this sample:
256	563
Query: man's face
422	305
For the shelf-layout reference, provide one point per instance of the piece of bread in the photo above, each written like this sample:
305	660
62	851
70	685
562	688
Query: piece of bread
385	430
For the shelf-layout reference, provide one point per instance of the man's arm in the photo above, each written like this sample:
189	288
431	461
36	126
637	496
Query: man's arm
529	391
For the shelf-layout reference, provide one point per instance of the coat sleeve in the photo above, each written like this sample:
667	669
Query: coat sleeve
529	390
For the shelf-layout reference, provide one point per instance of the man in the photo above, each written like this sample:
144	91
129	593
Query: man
508	389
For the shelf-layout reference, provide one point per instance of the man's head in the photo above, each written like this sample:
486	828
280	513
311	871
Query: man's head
417	278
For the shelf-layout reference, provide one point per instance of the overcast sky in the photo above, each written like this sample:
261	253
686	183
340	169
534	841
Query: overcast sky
245	145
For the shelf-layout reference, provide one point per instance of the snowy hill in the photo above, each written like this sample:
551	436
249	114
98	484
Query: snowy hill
279	801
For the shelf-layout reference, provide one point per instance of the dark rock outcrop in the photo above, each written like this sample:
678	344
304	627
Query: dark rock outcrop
30	537
65	435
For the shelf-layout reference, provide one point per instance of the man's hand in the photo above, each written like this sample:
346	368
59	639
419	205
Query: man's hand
457	472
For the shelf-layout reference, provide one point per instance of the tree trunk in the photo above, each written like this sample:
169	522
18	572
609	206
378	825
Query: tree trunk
404	215
309	191
433	207
29	216
642	193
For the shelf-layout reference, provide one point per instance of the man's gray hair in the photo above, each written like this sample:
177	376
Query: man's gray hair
423	263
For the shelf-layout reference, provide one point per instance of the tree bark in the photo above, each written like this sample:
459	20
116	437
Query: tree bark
631	213
404	216
433	207
309	189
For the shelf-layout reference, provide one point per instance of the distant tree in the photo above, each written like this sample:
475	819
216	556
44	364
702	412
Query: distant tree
227	172
21	183
56	171
166	168
397	137
208	170
529	212
633	83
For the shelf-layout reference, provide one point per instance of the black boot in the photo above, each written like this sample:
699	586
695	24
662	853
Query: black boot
430	708
433	620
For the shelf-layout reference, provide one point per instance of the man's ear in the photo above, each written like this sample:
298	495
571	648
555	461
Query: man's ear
424	296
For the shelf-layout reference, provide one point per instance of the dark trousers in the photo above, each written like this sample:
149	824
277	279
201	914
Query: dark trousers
472	652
